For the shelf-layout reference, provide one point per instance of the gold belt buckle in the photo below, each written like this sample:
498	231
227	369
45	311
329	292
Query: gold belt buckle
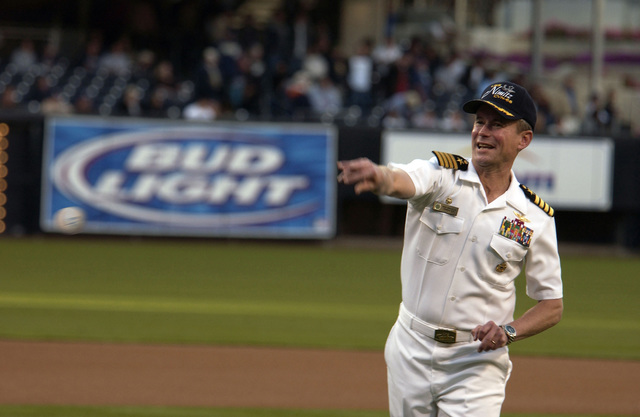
445	336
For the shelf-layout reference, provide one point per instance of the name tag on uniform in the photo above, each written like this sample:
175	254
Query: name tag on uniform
445	208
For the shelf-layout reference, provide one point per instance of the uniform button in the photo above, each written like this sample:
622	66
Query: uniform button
474	239
452	298
509	255
462	269
439	228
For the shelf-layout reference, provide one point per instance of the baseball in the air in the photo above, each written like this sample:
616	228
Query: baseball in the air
70	220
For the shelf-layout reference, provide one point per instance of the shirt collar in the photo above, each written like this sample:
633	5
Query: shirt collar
514	195
470	175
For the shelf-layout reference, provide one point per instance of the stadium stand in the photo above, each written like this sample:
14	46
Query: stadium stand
248	69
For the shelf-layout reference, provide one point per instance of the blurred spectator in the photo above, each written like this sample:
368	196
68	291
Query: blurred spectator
315	64
385	54
473	75
158	104
117	61
302	38
608	115
55	104
209	80
360	77
567	109
278	44
546	122
83	105
131	102
453	121
248	33
338	67
324	96
24	56
322	37
217	26
8	98
277	86
600	118
229	45
202	109
423	79
40	91
401	79
256	60
50	56
90	57
142	25
164	80
491	75
245	82
450	74
590	125
568	87
297	102
426	118
629	81
143	65
394	120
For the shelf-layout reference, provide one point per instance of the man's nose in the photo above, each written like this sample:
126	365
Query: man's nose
482	130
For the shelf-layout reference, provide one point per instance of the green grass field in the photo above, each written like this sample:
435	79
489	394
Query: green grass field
264	293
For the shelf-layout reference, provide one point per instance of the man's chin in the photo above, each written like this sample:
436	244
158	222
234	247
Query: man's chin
483	159
482	154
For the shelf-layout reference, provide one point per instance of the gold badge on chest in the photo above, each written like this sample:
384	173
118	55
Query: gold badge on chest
521	217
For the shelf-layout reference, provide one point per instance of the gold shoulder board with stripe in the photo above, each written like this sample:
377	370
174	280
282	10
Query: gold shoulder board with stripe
449	160
537	200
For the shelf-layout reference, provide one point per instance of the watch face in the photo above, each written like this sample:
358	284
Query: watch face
510	330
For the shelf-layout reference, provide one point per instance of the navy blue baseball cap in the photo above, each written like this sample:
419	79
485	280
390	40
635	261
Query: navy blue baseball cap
511	100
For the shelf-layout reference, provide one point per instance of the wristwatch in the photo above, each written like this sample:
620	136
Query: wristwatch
510	332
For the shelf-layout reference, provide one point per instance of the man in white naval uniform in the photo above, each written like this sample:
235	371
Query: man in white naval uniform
471	228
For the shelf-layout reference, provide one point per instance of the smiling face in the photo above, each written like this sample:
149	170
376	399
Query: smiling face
496	141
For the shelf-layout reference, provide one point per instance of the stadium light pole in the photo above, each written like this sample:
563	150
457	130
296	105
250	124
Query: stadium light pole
537	33
460	18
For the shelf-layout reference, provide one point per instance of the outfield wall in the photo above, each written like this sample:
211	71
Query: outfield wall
609	214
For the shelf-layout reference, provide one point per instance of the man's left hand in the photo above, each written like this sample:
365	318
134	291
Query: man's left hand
490	335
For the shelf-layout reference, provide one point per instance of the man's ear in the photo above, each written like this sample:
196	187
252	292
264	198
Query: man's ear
525	139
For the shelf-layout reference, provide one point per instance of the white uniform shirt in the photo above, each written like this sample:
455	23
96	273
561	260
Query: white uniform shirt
458	271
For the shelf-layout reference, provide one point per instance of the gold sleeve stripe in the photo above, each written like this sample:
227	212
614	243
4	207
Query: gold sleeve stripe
451	161
535	199
442	159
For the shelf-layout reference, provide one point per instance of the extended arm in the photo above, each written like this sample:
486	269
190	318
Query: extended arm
378	179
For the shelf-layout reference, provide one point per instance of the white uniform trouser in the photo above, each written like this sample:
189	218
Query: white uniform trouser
429	378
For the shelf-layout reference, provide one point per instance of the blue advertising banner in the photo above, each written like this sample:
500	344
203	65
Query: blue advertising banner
151	177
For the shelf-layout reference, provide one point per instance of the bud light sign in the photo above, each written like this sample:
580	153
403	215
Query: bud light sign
133	176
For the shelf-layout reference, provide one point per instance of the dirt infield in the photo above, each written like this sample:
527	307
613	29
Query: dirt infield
120	374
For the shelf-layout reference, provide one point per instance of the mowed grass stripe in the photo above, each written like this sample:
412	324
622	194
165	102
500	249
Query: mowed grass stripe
244	308
217	307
